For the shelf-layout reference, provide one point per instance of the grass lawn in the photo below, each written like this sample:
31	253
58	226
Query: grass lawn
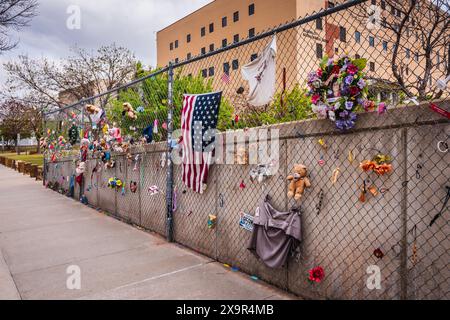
34	158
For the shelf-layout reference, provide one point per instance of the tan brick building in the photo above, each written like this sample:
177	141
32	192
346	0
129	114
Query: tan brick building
222	22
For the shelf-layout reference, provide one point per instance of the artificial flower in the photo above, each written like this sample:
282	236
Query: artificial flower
352	69
315	98
316	274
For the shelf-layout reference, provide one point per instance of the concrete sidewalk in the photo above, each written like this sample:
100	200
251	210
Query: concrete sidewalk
42	233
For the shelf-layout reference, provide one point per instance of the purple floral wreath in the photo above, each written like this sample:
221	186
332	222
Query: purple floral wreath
338	89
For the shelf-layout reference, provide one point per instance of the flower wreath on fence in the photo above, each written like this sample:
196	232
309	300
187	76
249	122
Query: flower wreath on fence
337	89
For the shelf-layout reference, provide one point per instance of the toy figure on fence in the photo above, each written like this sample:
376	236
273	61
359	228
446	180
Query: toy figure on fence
298	182
96	115
338	89
129	111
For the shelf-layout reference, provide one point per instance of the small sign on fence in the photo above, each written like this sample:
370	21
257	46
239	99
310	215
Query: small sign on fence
246	221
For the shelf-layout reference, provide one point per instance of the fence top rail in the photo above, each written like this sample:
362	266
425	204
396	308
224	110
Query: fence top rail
260	36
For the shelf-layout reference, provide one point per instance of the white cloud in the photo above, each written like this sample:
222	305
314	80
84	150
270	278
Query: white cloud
131	23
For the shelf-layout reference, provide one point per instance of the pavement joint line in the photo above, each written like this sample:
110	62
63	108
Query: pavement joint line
10	273
157	277
49	225
80	260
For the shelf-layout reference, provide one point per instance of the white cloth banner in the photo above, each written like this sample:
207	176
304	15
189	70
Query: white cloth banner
260	74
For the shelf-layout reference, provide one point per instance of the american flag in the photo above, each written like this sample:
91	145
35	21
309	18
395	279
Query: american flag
198	124
226	78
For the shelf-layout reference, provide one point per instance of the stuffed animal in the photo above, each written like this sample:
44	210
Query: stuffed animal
298	182
81	168
91	109
115	134
129	111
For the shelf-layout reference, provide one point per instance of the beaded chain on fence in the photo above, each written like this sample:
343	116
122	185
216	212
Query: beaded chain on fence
358	105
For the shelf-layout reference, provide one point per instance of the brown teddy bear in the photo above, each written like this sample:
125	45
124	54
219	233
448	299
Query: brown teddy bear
91	109
298	182
129	111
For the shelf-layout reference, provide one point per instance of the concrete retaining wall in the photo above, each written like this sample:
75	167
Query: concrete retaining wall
342	237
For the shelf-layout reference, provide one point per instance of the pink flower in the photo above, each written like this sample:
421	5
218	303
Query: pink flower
352	69
319	72
382	108
315	98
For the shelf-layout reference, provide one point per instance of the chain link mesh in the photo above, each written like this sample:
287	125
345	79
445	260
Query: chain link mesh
339	231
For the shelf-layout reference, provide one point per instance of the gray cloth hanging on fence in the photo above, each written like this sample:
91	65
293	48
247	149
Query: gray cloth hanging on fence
275	234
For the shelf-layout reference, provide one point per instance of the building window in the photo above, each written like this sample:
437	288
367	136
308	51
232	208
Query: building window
211	71
176	43
251	9
224	43
336	50
407	70
235	64
236	38
226	68
372	66
224	22
211	27
189	56
374	2
392	10
416	56
251	33
371	41
408	53
236	16
319	50
171	46
385	45
357	36
357	56
383	22
176	60
188	38
319	24
203	50
438	59
399	13
202	31
342	34
253	56
383	4
204	73
211	47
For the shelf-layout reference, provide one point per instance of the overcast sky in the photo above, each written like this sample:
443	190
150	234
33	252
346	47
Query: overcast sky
130	23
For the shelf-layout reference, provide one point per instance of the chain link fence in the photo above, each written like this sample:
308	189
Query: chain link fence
353	220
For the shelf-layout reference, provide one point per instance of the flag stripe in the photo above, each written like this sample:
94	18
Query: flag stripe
199	115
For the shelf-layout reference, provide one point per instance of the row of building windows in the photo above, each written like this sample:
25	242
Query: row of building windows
251	11
209	72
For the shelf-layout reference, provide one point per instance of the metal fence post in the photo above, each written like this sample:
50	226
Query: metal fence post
169	189
404	220
44	132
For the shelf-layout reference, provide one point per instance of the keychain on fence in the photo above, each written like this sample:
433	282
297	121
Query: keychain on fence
335	175
136	159
414	247
221	201
319	204
350	156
